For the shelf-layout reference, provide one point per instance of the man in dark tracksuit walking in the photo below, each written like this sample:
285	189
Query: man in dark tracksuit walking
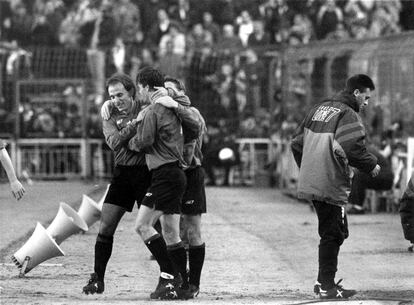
330	139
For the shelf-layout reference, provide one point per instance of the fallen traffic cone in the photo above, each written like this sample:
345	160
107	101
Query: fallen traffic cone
89	210
38	248
66	223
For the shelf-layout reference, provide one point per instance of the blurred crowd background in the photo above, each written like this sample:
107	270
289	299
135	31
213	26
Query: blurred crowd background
213	45
223	50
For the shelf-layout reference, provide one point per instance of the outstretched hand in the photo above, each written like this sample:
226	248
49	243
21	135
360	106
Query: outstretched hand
17	189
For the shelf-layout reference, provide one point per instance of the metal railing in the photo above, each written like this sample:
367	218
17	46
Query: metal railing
91	158
63	158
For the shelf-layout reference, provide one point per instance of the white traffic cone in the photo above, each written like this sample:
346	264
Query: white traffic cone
67	222
38	248
89	210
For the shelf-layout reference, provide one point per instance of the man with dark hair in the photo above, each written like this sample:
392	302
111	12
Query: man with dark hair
193	203
131	176
330	139
160	136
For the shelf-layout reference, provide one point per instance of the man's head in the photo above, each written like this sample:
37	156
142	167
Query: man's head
228	30
121	90
147	79
175	84
360	86
258	27
207	18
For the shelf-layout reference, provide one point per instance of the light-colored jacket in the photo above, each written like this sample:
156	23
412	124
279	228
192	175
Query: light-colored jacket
328	142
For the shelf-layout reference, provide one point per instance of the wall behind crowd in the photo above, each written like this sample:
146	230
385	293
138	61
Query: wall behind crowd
218	47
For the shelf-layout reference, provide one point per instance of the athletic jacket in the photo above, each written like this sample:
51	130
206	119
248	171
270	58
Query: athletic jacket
330	139
118	130
160	136
192	147
407	211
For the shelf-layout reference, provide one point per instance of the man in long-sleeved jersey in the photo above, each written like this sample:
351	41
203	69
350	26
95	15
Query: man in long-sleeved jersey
131	177
330	139
193	203
160	136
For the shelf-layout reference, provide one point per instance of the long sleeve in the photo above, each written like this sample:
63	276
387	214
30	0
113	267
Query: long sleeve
146	133
350	134
114	137
297	144
190	121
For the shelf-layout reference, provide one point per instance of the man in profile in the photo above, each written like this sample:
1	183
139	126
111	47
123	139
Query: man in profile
329	140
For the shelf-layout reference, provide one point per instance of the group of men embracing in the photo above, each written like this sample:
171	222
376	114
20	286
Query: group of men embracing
156	136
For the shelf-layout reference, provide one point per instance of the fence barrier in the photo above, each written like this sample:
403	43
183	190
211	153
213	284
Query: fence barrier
261	159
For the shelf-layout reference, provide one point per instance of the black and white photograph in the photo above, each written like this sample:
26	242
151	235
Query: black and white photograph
207	152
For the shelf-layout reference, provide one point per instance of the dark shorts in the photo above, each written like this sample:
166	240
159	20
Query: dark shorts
128	184
167	188
194	199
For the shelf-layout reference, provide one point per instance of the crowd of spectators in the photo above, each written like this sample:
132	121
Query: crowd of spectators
183	38
190	23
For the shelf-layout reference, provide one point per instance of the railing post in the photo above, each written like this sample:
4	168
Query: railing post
85	158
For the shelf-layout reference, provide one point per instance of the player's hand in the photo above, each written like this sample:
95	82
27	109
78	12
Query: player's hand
376	171
106	110
158	93
173	92
17	189
167	102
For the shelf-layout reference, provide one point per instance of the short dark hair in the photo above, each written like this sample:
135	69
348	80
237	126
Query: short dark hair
151	77
123	79
360	82
179	84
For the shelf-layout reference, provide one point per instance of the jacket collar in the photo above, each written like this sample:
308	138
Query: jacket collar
347	99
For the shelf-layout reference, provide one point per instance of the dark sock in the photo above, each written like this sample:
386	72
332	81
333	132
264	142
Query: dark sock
179	258
158	248
196	261
103	251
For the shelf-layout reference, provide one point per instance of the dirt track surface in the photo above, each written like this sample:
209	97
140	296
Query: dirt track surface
261	248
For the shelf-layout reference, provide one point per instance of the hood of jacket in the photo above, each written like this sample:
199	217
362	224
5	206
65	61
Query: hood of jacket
347	99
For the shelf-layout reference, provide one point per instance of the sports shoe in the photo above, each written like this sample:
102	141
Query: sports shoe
165	290
94	285
336	292
195	290
190	293
317	287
